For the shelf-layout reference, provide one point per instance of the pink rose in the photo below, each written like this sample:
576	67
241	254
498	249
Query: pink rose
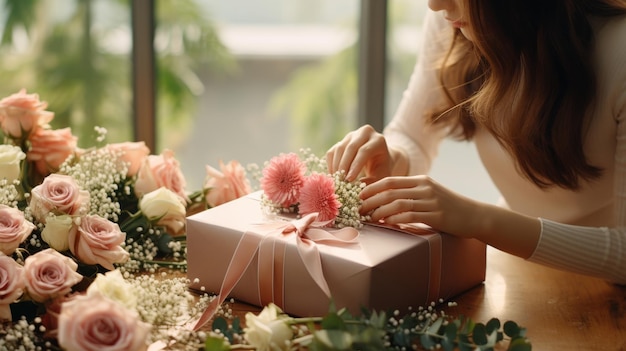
133	154
14	229
59	194
50	148
49	274
161	171
11	285
94	323
97	240
229	184
22	114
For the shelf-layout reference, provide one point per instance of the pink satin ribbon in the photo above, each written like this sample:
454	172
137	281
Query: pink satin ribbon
267	241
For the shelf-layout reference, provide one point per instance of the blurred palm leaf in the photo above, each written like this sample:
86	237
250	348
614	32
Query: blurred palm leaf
79	60
20	14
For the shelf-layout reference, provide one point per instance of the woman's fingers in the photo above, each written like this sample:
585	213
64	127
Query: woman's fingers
362	149
400	199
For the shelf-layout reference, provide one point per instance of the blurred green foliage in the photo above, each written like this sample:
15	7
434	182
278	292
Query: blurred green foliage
76	55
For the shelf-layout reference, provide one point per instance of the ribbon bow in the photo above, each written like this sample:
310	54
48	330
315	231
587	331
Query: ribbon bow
308	232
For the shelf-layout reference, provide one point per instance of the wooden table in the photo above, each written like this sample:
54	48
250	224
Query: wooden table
561	311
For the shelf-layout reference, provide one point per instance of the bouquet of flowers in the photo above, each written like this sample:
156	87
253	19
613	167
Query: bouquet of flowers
79	229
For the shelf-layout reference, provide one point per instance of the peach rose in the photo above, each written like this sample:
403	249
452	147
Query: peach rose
229	184
49	274
165	208
94	323
133	154
58	194
161	171
22	114
10	162
50	148
97	240
14	229
11	285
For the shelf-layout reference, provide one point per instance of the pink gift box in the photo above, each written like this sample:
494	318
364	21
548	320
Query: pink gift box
385	269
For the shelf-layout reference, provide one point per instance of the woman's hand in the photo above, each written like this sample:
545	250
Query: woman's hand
421	199
362	150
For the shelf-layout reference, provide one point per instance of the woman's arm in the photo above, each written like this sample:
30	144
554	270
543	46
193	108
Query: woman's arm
414	140
409	143
595	251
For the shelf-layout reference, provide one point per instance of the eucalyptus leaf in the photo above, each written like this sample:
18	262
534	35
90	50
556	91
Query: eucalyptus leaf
493	324
427	341
520	344
480	334
220	323
434	328
451	331
511	329
332	321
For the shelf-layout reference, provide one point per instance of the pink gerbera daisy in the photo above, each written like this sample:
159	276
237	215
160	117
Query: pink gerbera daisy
282	179
318	195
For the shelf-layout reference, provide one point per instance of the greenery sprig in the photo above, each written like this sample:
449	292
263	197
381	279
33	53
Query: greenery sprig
375	330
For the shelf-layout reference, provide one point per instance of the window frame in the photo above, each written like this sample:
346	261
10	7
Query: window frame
371	79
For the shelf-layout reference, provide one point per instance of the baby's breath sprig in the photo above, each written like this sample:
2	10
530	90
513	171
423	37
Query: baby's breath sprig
167	305
100	173
313	162
9	193
348	193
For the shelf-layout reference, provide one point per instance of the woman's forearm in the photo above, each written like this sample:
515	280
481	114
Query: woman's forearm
506	230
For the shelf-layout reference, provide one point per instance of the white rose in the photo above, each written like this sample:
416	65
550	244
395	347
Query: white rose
113	285
10	161
268	331
56	231
165	208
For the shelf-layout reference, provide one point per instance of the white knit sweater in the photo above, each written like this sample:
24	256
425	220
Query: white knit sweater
582	231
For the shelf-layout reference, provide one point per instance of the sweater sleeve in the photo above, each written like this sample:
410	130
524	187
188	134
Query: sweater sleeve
599	252
409	131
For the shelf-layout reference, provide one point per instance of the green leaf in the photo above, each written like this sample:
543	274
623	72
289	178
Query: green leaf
468	327
511	329
236	325
519	344
427	341
493	324
480	334
332	321
447	344
214	343
220	323
334	339
434	328
451	331
378	320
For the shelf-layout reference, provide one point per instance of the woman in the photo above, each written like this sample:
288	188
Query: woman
540	88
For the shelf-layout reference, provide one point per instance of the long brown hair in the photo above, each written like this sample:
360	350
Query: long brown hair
528	78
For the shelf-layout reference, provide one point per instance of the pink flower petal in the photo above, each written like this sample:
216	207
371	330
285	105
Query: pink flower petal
318	195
